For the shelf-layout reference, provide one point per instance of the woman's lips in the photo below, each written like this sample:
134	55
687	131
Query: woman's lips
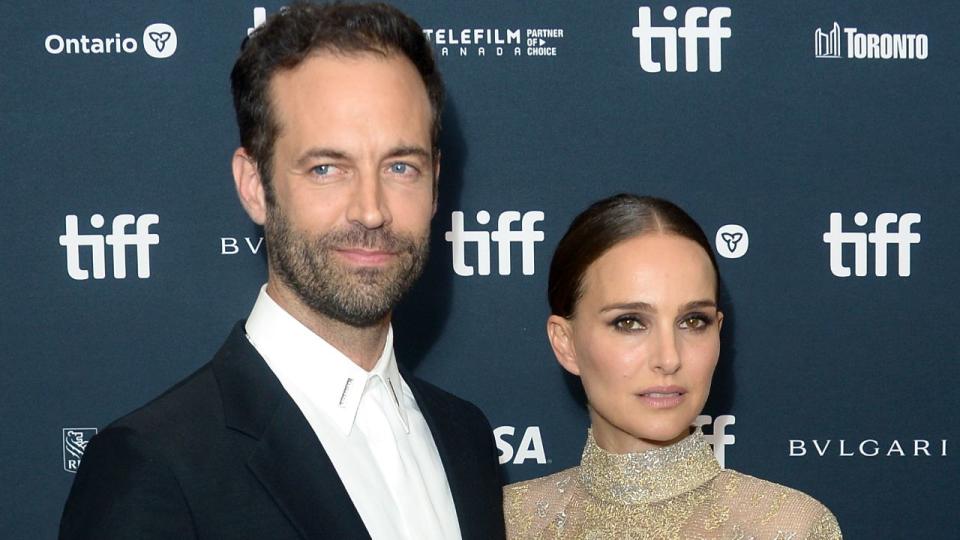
662	397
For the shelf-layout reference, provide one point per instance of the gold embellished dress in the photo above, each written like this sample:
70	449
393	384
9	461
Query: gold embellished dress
677	492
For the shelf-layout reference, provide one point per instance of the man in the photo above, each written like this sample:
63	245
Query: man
303	426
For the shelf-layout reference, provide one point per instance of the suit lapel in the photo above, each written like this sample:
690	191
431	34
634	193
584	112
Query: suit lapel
293	467
449	438
288	460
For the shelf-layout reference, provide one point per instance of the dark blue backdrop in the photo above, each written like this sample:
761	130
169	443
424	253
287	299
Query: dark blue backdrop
826	382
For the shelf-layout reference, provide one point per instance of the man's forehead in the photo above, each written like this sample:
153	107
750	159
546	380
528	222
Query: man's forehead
338	60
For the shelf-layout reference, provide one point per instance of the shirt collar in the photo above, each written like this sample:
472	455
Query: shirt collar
311	369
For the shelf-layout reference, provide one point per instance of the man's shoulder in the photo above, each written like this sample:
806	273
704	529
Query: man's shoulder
187	408
181	405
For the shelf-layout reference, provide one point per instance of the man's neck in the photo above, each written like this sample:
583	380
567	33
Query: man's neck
361	345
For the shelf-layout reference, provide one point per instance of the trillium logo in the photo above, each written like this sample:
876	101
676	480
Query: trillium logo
732	241
160	40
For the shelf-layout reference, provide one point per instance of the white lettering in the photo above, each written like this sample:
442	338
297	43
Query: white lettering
842	448
530	447
691	32
881	237
797	448
254	249
718	437
57	44
228	246
821	451
505	449
527	236
118	239
883	46
53	44
895	447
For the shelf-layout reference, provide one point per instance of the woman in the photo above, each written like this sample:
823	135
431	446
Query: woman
633	295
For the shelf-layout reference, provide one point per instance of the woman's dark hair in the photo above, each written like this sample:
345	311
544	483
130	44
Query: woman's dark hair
287	38
602	226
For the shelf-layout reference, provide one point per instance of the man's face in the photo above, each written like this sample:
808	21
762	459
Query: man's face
353	183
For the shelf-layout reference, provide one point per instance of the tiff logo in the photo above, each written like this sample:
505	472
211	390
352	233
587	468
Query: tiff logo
691	32
118	240
259	17
881	237
718	437
504	237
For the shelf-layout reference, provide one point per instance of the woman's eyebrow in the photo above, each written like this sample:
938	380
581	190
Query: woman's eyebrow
634	306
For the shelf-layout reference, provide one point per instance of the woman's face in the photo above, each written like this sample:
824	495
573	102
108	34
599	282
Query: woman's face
644	339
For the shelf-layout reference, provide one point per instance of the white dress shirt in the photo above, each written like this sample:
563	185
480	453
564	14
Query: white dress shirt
368	423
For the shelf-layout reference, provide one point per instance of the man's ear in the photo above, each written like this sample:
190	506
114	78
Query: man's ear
560	334
250	188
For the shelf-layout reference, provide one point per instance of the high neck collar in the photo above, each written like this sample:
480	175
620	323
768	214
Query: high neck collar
649	476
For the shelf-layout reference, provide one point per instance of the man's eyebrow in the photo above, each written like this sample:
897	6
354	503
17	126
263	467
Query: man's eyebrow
409	150
313	154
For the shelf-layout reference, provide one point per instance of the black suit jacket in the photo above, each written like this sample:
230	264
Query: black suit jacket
226	453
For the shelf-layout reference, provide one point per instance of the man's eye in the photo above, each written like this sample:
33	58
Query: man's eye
404	169
322	170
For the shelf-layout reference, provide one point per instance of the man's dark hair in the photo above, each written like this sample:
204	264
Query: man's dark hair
287	38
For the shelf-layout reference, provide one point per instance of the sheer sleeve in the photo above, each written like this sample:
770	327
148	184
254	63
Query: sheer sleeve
539	508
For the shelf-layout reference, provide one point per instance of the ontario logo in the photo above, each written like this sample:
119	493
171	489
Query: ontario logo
159	40
75	442
732	241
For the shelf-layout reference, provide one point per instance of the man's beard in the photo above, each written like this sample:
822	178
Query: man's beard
359	297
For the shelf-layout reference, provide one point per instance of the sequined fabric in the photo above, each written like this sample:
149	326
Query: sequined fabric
678	492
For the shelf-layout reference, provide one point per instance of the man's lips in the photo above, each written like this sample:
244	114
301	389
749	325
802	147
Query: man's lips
662	397
366	257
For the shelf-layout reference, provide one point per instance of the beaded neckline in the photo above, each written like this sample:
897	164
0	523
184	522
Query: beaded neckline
649	476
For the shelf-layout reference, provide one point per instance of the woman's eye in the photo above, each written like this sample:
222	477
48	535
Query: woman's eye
696	322
628	324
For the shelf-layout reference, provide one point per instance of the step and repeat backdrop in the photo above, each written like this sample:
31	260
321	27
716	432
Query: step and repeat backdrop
816	142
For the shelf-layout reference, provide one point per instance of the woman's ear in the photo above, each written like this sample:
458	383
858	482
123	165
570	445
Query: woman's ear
560	334
719	320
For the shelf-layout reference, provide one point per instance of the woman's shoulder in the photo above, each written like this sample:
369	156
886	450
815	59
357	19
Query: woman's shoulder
532	505
778	506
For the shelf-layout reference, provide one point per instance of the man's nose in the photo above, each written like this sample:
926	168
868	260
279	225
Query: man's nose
368	206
